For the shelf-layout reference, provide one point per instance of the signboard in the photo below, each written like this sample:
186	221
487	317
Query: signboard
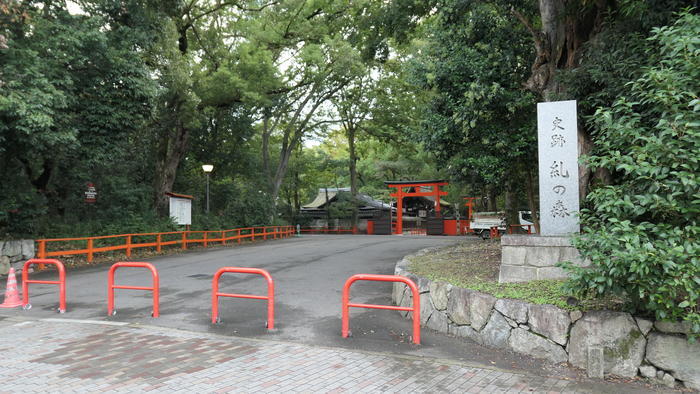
181	210
558	167
90	193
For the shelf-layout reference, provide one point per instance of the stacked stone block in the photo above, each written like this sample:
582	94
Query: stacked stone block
15	253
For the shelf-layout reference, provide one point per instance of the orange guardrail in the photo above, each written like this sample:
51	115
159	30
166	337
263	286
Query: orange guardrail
129	242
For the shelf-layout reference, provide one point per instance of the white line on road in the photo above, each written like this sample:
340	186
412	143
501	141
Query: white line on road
104	323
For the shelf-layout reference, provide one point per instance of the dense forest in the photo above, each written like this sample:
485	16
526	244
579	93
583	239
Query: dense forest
285	97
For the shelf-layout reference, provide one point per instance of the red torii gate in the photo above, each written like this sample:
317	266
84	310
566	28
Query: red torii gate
470	206
400	194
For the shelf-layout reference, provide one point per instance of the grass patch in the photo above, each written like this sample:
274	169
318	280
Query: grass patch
475	265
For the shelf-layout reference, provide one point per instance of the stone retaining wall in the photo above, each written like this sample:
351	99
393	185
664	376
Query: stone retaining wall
15	253
601	342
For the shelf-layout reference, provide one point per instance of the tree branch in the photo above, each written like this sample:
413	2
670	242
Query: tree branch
536	35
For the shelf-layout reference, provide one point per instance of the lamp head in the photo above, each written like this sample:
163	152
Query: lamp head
208	168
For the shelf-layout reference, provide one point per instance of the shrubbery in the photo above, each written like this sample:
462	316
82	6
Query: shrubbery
641	231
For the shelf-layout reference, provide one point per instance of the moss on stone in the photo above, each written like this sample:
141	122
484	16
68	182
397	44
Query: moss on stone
475	264
623	348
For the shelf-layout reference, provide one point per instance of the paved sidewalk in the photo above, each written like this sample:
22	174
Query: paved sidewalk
63	355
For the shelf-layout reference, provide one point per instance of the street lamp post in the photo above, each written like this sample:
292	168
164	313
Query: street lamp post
208	168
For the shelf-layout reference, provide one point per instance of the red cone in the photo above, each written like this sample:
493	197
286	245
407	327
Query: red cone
11	293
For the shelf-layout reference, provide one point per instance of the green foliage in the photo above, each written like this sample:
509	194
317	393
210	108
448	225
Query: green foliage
616	55
342	207
74	95
479	122
641	232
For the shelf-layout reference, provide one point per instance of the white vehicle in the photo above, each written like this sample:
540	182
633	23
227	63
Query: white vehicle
525	218
482	222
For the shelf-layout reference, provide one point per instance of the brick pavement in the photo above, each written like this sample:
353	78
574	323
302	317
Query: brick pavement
53	355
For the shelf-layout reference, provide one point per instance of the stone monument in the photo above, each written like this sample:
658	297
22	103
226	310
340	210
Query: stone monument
534	257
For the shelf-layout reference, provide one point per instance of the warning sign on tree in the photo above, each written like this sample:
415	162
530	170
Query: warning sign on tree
90	193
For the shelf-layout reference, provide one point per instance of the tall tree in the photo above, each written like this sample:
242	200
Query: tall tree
479	120
74	95
561	32
315	62
199	60
353	106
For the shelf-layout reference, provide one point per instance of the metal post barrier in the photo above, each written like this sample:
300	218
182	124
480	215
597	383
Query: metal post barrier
90	254
215	294
61	282
128	246
381	278
42	249
111	286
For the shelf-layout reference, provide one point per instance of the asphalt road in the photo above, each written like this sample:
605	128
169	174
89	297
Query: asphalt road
309	274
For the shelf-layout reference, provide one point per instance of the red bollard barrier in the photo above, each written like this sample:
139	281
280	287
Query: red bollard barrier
61	282
382	278
111	286
270	293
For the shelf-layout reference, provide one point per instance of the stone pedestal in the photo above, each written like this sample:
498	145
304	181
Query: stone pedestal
531	257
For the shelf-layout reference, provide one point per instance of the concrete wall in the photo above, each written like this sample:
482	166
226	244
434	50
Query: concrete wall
601	342
532	257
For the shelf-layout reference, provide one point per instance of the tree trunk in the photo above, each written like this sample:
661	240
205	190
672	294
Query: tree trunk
565	28
291	136
491	205
171	151
511	206
294	131
266	146
353	174
328	209
531	191
172	146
